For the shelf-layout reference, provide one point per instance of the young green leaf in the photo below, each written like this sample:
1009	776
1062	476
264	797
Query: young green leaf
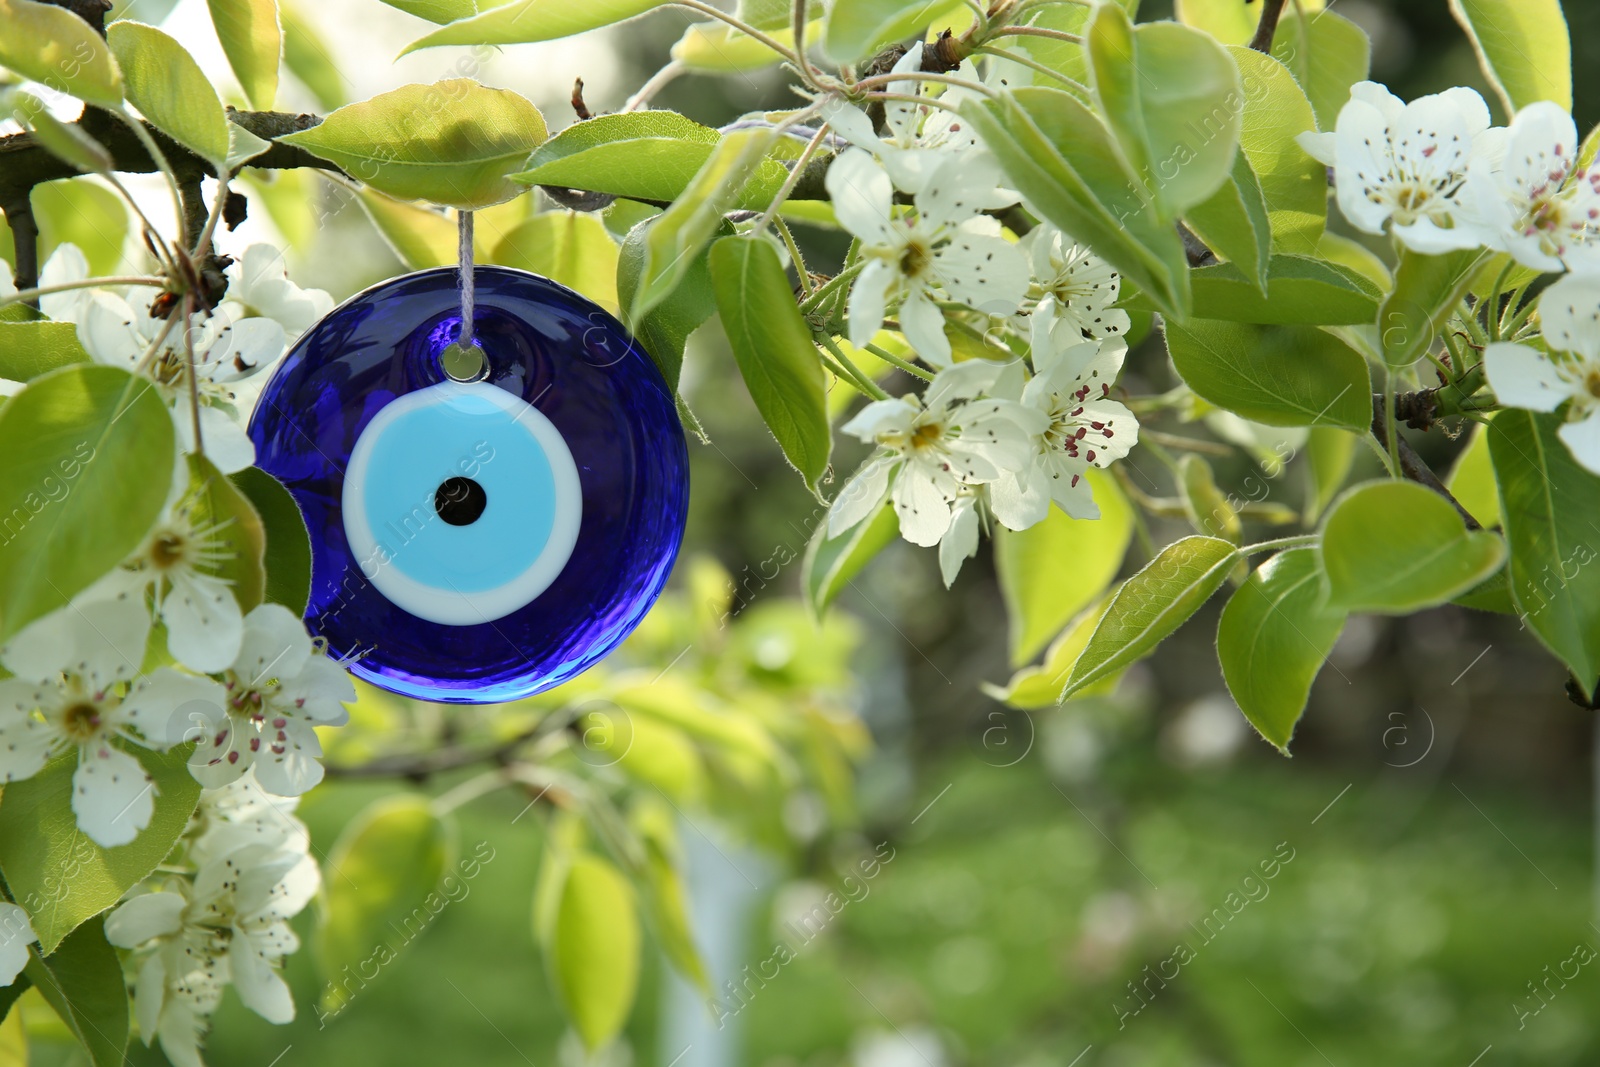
680	233
772	345
1227	20
524	21
568	247
667	895
1040	686
1233	223
380	888
252	41
1471	480
717	48
665	330
1300	291
82	981
419	238
454	142
64	140
1551	513
831	563
59	876
30	349
218	502
594	948
1327	54
1427	290
287	553
1151	605
306	56
1060	155
1523	47
1273	638
168	87
858	28
642	155
1396	547
1171	96
1279	375
75	496
438	12
1054	53
1052	570
1330	453
1208	509
86	213
1294	184
53	46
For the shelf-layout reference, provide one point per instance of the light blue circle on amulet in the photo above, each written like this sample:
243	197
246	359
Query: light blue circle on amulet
496	563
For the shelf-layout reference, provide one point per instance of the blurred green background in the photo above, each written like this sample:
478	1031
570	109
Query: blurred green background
1052	875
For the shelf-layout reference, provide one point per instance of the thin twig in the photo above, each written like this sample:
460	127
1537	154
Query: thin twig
1267	28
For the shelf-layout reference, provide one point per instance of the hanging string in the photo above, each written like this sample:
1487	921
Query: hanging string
468	294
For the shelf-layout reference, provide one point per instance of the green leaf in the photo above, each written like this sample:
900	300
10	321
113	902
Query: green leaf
568	247
665	330
1471	480
218	502
594	948
82	981
59	876
79	488
1300	291
679	234
1272	640
667	895
1060	156
308	58
1054	569
1355	256
51	45
1279	375
772	345
1294	184
84	212
1523	48
454	142
1171	97
438	12
1427	290
1151	605
1229	21
831	563
1327	54
523	21
1233	223
287	552
858	28
1209	510
419	238
252	41
64	140
1396	547
379	888
1040	686
641	155
1066	56
1551	509
1329	456
717	48
168	87
31	349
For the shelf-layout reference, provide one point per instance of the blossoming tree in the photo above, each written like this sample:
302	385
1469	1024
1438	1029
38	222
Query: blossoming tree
1029	188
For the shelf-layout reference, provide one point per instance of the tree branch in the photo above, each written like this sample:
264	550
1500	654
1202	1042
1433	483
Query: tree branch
1411	464
1267	28
420	766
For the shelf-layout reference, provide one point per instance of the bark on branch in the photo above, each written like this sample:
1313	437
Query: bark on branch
1412	465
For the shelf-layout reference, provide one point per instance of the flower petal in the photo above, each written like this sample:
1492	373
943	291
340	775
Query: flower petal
869	295
260	986
863	196
923	325
1522	377
112	795
169	707
1570	314
960	541
861	495
204	624
1583	440
144	917
288	763
923	509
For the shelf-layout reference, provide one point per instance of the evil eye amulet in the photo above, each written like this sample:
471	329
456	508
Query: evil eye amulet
476	541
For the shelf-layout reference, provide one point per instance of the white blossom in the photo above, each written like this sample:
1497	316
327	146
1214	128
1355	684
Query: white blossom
948	245
931	446
960	541
1569	373
279	688
1405	164
917	137
258	284
76	687
1084	428
1076	292
1534	202
16	934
